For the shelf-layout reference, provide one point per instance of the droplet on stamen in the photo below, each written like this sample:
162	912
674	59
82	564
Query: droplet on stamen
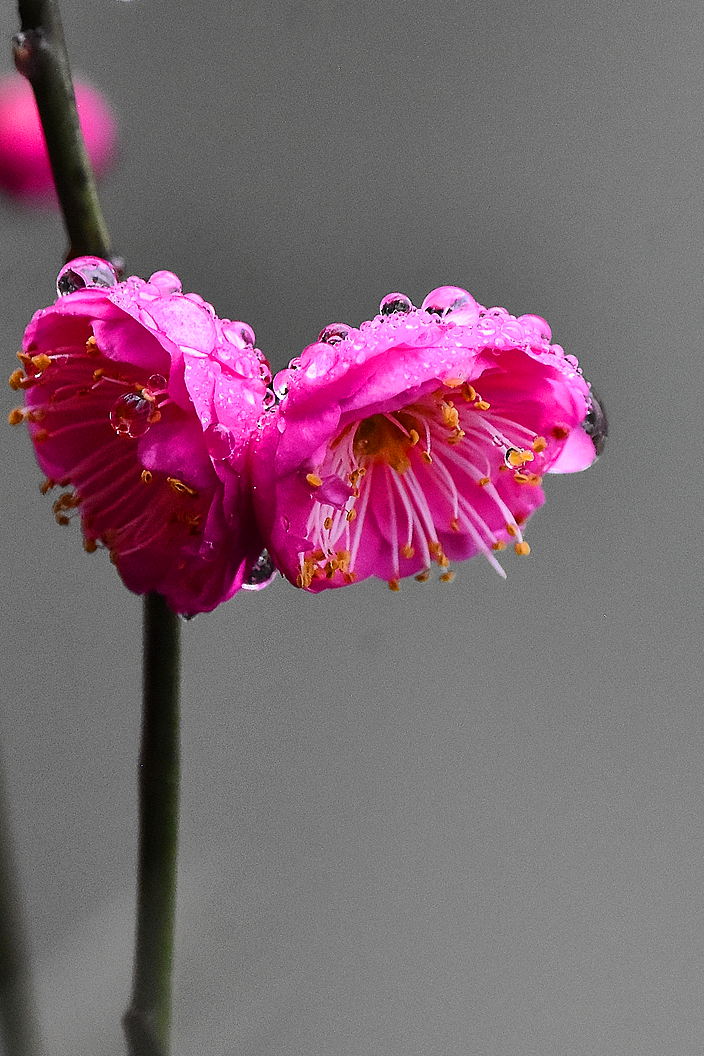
130	415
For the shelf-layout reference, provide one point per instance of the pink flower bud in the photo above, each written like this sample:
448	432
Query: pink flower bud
419	439
141	404
25	173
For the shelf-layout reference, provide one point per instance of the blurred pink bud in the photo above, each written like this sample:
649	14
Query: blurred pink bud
25	173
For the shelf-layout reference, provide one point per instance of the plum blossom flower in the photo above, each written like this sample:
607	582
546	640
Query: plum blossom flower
25	172
141	405
420	438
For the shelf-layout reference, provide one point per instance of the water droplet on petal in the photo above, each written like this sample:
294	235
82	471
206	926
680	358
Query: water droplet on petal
262	573
320	364
219	442
395	302
596	424
269	399
448	299
241	334
535	326
287	524
166	281
281	384
130	415
157	383
85	272
295	363
334	333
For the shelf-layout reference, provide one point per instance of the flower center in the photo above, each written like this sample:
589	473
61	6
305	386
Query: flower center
445	474
386	440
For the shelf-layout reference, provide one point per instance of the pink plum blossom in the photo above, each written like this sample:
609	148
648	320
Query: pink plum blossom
420	438
25	172
141	405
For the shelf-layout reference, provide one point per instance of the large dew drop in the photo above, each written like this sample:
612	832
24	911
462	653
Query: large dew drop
333	334
85	273
395	302
596	424
449	299
130	415
262	574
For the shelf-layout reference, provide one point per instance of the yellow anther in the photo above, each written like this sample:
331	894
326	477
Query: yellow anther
498	545
426	457
423	577
16	416
146	476
469	392
41	362
25	360
90	546
413	437
447	577
450	415
180	488
394	585
47	485
351	514
516	457
92	347
512	530
327	524
522	547
454	525
456	436
483	481
62	519
314	480
520	478
434	547
16	379
539	444
482	405
407	551
443	561
452	383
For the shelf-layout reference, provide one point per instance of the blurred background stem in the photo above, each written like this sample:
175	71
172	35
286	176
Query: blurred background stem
20	1034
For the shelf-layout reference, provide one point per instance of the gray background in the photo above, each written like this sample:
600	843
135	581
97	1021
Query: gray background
457	820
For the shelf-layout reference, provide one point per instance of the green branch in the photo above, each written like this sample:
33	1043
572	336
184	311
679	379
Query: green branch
148	1019
40	55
